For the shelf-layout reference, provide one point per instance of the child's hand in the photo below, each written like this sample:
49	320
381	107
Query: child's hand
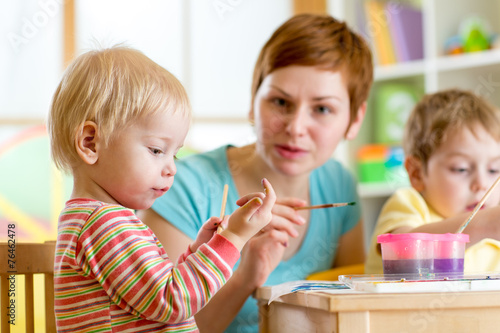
207	231
253	215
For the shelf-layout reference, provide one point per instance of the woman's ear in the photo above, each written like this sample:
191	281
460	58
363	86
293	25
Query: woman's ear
415	169
355	126
86	142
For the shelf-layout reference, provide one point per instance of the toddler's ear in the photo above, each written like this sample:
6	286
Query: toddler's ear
415	169
86	142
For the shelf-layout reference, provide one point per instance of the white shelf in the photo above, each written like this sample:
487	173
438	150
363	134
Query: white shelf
376	190
399	70
441	64
467	60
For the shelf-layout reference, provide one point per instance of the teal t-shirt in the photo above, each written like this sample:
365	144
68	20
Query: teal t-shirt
196	196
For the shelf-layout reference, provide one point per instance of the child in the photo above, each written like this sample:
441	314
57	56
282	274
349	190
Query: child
116	122
452	147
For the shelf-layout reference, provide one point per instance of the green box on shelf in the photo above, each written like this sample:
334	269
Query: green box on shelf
371	171
393	104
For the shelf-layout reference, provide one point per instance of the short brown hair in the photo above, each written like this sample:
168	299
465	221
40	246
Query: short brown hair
110	87
321	41
439	113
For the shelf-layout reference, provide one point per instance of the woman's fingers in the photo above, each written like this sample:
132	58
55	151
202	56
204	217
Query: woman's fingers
277	236
281	224
291	202
285	217
260	257
288	213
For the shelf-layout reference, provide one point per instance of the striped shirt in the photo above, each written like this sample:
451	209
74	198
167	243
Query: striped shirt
113	275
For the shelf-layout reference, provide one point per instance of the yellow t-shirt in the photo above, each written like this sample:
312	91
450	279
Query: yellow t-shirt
407	208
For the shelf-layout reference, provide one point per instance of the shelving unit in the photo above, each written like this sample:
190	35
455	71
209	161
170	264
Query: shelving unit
478	71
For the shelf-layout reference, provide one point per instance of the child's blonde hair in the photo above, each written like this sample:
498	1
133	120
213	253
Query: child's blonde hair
439	113
110	87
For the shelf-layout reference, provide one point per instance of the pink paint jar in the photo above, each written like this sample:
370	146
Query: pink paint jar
423	253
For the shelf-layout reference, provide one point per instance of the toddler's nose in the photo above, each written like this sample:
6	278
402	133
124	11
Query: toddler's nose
169	169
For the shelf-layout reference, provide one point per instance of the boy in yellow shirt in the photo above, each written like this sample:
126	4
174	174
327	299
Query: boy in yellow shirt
452	149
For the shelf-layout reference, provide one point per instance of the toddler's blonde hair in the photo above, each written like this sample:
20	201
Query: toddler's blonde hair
111	87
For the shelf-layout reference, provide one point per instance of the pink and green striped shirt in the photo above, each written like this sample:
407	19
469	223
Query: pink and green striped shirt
113	275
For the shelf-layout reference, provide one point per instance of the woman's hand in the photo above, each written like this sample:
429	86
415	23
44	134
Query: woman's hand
285	216
260	256
264	251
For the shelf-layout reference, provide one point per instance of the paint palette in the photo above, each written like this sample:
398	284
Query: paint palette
397	283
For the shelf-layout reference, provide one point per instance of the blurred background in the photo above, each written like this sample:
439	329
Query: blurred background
419	46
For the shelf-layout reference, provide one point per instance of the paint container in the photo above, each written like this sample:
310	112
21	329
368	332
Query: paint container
422	253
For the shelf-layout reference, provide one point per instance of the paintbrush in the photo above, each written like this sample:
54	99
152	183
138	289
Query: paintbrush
327	205
223	208
478	206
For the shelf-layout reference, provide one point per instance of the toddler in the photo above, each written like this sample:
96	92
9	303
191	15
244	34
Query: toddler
452	149
116	122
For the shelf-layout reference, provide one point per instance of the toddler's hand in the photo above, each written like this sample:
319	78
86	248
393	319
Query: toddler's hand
206	232
253	215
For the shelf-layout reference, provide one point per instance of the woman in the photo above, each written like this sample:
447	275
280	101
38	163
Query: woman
309	92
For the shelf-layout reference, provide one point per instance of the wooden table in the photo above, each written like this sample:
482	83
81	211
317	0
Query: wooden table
438	312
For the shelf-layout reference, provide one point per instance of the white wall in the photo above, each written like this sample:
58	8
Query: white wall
30	56
154	26
210	45
225	40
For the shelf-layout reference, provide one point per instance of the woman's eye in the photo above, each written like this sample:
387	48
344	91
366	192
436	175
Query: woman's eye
323	109
279	102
